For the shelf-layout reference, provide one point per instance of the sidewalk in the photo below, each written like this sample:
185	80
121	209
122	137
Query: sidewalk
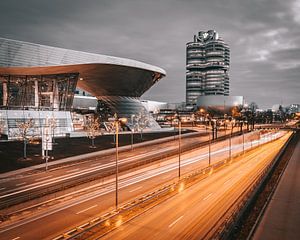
281	219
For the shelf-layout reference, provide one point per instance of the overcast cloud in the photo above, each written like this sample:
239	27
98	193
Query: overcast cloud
263	35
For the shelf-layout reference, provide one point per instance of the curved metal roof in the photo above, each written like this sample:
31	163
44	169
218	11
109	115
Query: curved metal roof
14	53
101	75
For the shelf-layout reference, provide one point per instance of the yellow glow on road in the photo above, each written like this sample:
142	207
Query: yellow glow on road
119	221
181	187
107	223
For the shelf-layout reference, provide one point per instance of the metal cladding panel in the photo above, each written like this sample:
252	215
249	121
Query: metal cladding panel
98	79
17	53
100	74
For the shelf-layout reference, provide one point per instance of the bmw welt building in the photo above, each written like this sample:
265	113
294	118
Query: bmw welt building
38	82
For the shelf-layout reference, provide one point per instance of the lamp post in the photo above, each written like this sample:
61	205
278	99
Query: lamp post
230	146
230	143
117	121
209	150
132	130
179	144
47	140
242	122
179	148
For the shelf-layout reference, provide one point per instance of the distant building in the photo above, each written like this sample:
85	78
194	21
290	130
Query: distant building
207	66
293	108
219	105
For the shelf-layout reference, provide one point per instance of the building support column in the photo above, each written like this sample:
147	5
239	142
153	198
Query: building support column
5	94
55	95
36	93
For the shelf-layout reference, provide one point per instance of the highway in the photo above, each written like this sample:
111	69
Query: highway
23	187
197	212
100	199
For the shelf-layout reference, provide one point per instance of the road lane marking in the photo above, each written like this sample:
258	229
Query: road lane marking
73	170
133	190
124	184
19	184
84	210
165	177
16	238
42	178
207	197
57	179
2	188
227	181
95	164
173	223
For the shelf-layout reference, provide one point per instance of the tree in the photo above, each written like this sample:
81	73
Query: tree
281	114
25	132
53	125
142	122
103	111
92	125
250	114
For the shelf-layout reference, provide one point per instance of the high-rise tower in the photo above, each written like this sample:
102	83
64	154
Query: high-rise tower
207	66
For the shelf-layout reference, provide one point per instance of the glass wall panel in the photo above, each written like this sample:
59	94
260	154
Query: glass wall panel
42	92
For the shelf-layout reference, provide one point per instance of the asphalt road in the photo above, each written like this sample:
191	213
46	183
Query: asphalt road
67	214
27	185
196	212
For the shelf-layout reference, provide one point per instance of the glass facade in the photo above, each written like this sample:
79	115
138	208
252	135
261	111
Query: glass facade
42	92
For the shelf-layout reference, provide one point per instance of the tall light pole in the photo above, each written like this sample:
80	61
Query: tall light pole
179	147
243	141
209	150
230	136
132	130
117	122
179	144
230	146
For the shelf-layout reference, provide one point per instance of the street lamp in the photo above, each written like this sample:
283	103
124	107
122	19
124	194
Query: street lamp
230	138
179	144
179	147
132	130
209	149
243	143
117	121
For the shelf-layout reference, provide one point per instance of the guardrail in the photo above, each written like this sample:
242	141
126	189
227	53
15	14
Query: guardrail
247	198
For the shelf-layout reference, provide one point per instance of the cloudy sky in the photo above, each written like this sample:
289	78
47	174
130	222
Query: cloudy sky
264	37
